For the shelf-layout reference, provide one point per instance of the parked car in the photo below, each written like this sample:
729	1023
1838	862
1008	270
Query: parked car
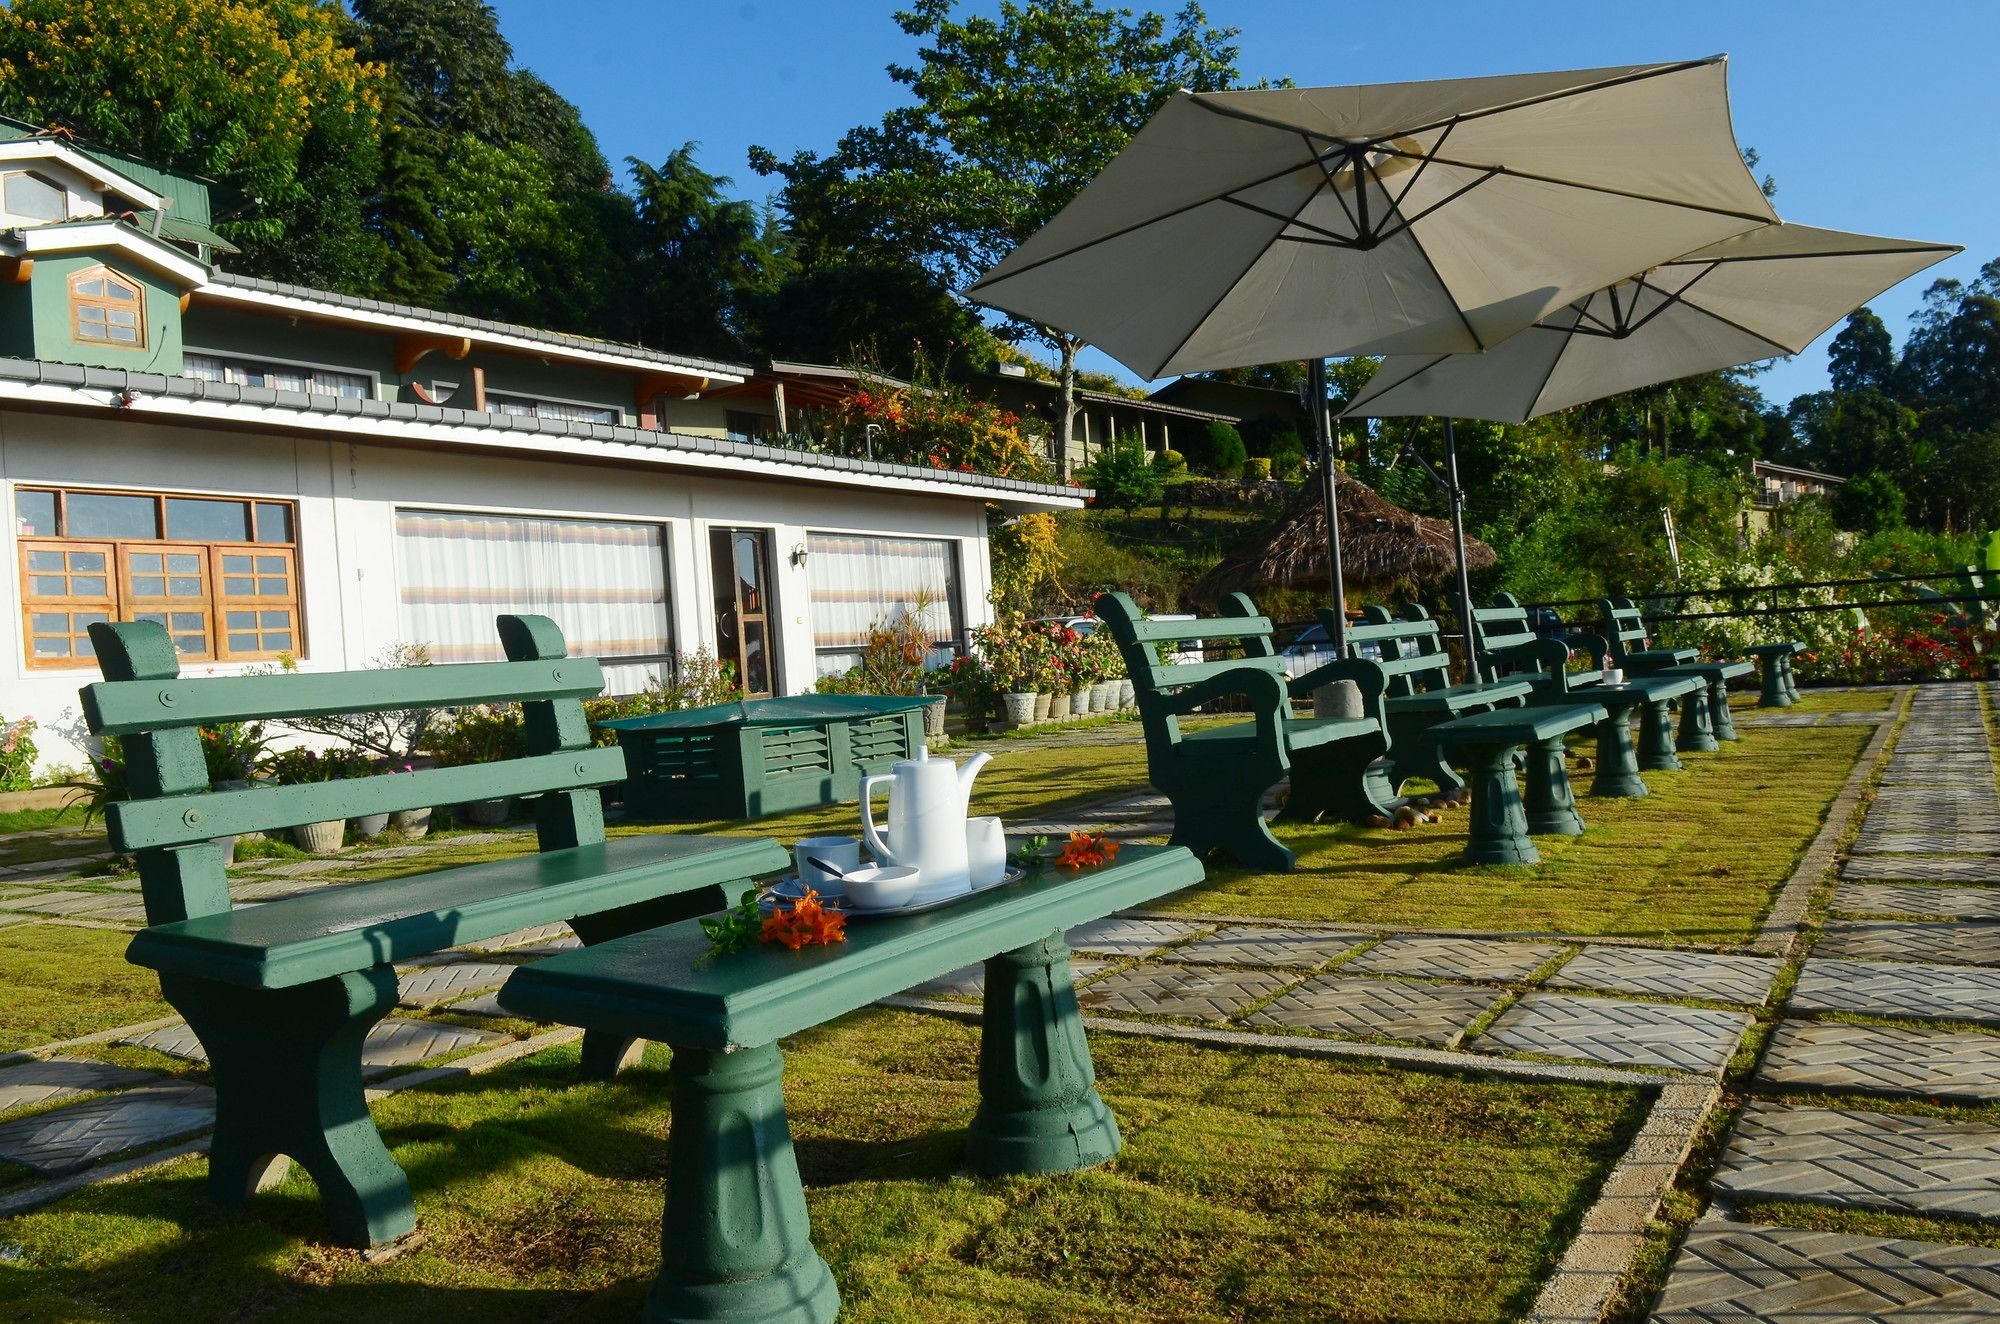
1189	651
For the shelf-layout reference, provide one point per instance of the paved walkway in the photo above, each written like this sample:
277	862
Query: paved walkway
1875	1094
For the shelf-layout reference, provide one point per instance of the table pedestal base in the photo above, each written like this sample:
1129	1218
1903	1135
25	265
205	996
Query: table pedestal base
1656	735
1551	805
1498	827
1697	736
1617	761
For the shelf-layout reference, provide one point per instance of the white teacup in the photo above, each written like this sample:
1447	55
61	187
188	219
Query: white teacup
843	853
985	850
1614	676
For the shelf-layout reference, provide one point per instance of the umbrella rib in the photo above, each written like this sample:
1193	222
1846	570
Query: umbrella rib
1418	173
1407	221
1332	185
1331	236
1155	219
1677	297
1362	398
1831	252
1783	349
1606	189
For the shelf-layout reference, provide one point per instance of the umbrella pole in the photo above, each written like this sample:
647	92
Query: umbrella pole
1330	496
1457	496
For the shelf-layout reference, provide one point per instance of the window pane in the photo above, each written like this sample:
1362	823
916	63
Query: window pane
56	646
238	588
32	196
244	643
275	620
45	560
271	588
35	512
83	620
49	586
149	586
280	642
180	586
236	565
859	581
274	522
270	565
150	563
184	563
86	586
93	562
99	515
202	367
197	517
47	622
242	620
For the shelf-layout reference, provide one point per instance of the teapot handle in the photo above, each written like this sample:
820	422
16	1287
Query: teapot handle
877	846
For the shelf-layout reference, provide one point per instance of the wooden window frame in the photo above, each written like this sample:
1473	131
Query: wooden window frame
79	301
122	604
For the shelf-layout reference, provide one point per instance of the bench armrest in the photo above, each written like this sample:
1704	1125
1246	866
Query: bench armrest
1263	690
1596	645
1368	677
1549	655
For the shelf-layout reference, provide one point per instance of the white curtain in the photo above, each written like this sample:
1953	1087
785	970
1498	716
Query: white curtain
604	583
858	581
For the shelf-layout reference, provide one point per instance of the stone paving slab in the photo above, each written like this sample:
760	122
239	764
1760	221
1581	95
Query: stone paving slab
1855	719
1899	990
1926	843
1434	1014
1118	936
392	1042
1929	868
58	902
1911	1165
522	937
1924	772
1616	1032
1971	942
1779	719
1742	1273
1206	993
1668	974
44	1079
1870	1059
1298	949
1918	899
1454	958
969	981
65	1139
429	985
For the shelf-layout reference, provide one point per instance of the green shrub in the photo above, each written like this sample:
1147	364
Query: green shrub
1122	476
1288	455
1257	469
1225	449
1170	463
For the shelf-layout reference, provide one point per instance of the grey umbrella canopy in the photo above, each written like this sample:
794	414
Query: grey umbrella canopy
1241	228
1754	296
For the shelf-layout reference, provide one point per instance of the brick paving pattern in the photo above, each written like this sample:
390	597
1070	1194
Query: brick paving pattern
54	1078
1917	899
64	1139
1203	993
1617	1033
1870	1059
1899	990
1433	1014
1302	949
1739	1273
1911	1165
1973	942
1739	979
1454	958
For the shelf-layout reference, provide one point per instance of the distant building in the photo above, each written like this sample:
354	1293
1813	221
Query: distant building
274	471
1238	403
1776	484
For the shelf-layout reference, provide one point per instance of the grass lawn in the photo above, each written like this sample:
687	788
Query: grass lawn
1699	860
61	982
1252	1185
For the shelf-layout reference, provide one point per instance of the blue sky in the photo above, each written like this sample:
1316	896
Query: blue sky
1873	116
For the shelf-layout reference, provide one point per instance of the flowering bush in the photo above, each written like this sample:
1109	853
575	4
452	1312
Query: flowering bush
488	733
935	422
699	679
233	751
304	767
17	754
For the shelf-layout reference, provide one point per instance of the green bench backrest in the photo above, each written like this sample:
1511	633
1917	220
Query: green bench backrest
1409	650
1624	627
1240	622
1502	625
172	816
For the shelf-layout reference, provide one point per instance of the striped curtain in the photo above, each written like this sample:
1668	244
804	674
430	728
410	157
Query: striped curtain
858	580
604	583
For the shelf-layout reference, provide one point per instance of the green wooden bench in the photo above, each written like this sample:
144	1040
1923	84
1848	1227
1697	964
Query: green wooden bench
735	1242
1217	777
1509	647
1702	724
1419	693
764	756
282	994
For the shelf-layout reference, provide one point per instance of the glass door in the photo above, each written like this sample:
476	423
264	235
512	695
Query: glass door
740	562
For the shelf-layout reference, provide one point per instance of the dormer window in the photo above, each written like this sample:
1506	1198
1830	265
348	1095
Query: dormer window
107	309
25	193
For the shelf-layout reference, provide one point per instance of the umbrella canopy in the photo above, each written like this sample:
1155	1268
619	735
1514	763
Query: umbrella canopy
1241	228
1381	545
1754	296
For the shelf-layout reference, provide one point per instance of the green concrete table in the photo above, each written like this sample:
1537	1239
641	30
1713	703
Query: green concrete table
735	1243
1619	763
1497	832
1779	688
764	756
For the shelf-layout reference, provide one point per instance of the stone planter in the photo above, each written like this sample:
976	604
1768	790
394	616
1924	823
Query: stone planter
934	718
227	845
1127	696
1104	696
1058	706
1020	707
411	822
319	838
485	813
1079	702
1044	706
369	825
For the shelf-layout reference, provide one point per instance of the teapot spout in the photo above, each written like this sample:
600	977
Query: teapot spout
968	770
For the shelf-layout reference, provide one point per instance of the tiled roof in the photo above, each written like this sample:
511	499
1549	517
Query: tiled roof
40	372
481	325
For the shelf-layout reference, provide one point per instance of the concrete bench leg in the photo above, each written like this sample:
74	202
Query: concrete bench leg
1617	762
1227	814
735	1243
1498	827
1773	692
1720	723
1551	805
1039	1110
1791	676
1656	738
1696	735
287	1070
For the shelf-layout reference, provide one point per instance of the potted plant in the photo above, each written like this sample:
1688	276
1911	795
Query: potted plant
998	651
410	822
308	767
369	825
1103	651
234	753
488	733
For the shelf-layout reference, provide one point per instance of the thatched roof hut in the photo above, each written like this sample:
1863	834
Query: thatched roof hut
1381	545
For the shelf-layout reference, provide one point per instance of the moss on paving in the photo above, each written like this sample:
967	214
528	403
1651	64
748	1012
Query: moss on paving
1253	1185
1699	860
59	981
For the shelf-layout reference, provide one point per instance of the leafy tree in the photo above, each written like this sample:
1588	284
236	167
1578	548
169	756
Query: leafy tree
1869	503
1861	357
1225	453
1012	115
699	255
1287	455
267	99
1123	475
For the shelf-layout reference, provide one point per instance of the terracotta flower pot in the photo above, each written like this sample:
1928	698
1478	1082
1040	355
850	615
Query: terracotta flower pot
320	838
1058	706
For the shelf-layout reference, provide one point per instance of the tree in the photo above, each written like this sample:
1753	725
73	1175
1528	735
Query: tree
268	100
1123	475
1861	357
1869	503
700	256
1226	452
1013	114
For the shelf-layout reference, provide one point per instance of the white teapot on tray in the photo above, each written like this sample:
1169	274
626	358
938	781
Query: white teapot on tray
927	817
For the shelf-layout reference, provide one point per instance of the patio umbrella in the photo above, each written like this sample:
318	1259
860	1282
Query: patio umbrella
1382	545
1753	296
1436	217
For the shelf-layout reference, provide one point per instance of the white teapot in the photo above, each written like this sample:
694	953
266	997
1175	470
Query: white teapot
927	813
